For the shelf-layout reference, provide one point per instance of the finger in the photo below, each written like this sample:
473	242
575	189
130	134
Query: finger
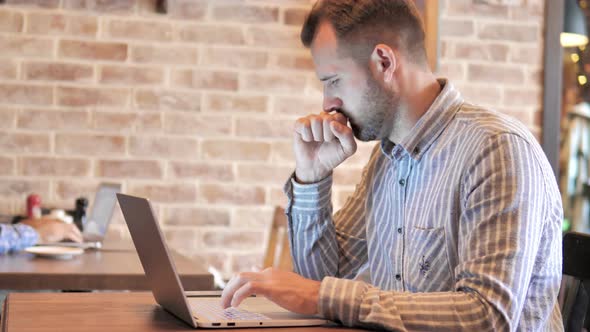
74	234
303	128
71	232
345	136
76	238
317	129
228	292
247	289
233	285
75	228
328	134
339	117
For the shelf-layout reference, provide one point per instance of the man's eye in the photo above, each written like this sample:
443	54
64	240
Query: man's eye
334	82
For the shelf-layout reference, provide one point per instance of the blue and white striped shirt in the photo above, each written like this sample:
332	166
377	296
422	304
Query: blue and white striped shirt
456	228
16	237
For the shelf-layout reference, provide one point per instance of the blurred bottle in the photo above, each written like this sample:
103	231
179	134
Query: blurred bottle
33	206
80	212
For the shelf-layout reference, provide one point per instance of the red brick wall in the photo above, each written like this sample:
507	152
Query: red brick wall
194	108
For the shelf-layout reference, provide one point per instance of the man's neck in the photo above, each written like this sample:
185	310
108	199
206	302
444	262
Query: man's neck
418	91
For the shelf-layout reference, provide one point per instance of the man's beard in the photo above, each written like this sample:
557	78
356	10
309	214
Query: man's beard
380	107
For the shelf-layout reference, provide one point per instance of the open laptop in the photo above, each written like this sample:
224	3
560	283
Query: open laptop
98	220
198	309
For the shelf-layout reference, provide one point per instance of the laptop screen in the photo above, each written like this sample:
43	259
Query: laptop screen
102	210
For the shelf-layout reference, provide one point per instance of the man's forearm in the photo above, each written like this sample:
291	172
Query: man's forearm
312	234
355	303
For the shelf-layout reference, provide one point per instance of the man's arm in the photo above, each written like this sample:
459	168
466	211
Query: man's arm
321	142
508	205
324	245
29	232
16	237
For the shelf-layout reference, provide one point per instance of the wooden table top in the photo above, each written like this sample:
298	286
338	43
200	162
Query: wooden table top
91	312
115	267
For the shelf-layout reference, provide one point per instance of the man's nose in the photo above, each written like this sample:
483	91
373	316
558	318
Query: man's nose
332	104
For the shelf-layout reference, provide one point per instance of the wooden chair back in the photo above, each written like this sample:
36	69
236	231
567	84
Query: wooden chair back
278	251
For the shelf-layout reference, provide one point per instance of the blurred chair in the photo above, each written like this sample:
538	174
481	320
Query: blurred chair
278	253
576	282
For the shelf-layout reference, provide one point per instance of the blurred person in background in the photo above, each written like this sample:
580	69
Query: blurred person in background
29	232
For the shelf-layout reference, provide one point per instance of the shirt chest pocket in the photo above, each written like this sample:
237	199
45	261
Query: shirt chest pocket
426	262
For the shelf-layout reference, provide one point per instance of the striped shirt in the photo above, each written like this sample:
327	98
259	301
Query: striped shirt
16	237
456	228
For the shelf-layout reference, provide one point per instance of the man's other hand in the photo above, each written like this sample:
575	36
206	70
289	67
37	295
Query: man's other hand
287	289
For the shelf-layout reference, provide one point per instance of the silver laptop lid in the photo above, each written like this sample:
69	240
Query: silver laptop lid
154	256
101	213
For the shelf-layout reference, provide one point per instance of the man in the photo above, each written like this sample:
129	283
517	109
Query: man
32	231
456	223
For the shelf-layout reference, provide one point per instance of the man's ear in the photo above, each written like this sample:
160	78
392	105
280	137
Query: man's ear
383	62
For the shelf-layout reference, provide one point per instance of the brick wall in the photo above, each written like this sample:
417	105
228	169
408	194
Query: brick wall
194	108
493	51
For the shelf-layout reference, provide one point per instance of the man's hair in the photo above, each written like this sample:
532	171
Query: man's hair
362	24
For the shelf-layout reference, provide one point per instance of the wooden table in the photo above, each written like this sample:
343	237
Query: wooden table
91	312
115	267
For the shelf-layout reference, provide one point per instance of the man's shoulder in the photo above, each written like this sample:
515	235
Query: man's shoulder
482	128
488	123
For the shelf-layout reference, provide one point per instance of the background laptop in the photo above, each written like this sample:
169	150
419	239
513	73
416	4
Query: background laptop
198	309
98	220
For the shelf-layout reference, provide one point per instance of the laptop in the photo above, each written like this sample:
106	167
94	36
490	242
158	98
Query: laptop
197	309
98	220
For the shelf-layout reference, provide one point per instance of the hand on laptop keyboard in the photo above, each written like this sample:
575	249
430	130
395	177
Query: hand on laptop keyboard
51	230
287	289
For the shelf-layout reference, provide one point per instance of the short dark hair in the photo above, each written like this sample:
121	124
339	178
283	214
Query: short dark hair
362	24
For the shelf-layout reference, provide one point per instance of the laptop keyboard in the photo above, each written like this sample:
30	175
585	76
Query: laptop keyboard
216	313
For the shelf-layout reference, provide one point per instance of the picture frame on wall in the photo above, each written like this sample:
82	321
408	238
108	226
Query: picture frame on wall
430	11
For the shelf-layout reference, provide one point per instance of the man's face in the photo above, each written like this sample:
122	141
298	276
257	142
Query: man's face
349	88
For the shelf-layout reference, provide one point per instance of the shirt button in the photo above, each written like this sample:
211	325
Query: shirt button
398	277
402	182
399	230
416	150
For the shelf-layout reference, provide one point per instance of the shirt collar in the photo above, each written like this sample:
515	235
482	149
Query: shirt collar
429	126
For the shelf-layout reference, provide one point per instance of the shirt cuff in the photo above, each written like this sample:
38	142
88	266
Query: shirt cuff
340	300
308	198
16	237
28	235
